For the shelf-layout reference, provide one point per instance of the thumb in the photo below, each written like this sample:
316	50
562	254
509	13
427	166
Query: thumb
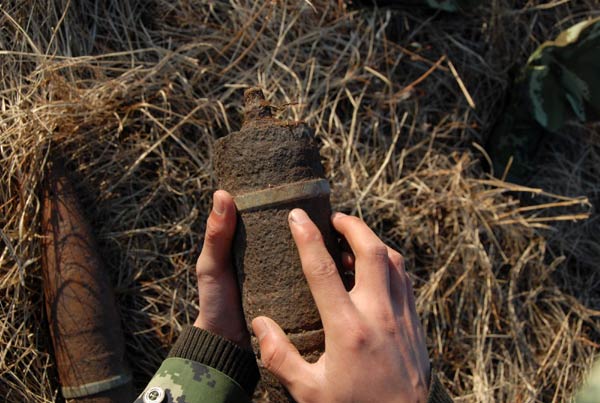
278	354
220	229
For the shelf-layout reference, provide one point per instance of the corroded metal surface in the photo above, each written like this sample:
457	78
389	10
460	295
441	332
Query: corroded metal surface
263	159
278	195
83	319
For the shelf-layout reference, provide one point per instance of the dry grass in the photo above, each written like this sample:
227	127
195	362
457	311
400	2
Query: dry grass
134	93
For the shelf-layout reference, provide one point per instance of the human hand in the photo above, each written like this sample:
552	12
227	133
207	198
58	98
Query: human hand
220	307
374	343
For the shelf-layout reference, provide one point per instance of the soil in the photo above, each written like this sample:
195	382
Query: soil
267	154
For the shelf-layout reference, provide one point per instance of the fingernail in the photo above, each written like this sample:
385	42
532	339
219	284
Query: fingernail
260	328
337	214
218	205
298	216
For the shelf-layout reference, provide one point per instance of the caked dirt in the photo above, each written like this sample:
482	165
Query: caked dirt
268	153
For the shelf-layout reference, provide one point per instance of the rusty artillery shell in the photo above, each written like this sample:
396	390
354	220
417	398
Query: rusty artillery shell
270	167
84	323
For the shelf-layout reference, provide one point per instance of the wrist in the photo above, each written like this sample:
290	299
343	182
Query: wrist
237	336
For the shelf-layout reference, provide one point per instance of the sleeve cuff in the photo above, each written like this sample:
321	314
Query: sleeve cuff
202	346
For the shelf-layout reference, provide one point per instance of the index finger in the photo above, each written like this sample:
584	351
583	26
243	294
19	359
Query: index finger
372	261
320	270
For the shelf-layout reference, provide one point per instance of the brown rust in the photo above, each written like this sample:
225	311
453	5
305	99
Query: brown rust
82	315
268	153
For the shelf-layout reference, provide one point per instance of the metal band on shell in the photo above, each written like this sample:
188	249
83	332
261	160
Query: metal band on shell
70	392
282	194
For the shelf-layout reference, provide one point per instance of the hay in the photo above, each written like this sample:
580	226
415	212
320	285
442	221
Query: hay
134	94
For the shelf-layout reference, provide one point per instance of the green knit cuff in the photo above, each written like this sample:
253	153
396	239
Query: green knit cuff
219	353
437	393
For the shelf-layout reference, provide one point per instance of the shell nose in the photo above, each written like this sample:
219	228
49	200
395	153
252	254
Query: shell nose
255	105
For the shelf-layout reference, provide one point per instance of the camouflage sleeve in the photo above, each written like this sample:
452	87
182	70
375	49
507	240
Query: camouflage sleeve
203	367
591	389
184	381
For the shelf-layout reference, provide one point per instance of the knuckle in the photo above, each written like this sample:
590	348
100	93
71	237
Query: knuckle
311	234
323	268
358	337
201	267
206	272
212	233
217	232
205	277
377	250
272	357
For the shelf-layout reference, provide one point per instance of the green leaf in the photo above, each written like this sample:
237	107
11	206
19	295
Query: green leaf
576	92
563	76
546	98
571	35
